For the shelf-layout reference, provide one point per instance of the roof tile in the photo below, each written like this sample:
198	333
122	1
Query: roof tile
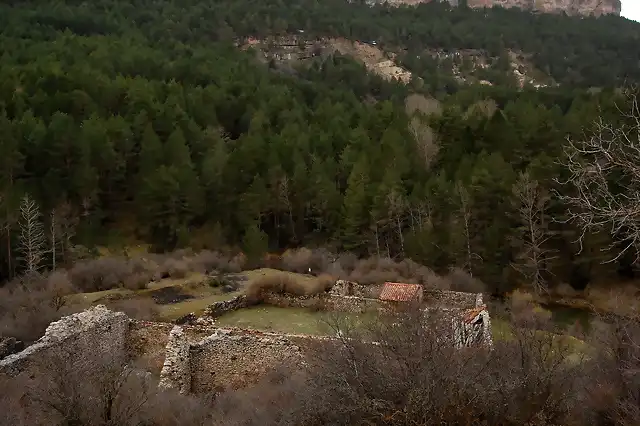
397	292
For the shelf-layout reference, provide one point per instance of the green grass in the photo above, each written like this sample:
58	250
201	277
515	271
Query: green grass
290	320
272	318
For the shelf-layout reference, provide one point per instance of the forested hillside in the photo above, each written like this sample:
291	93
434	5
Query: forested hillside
142	120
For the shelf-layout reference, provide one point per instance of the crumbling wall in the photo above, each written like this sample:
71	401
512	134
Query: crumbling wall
352	304
452	299
176	371
220	308
96	329
352	288
147	342
237	358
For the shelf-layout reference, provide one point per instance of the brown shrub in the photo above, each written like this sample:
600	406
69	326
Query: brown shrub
302	260
29	304
176	268
206	262
347	262
377	270
237	263
284	283
100	274
413	377
461	281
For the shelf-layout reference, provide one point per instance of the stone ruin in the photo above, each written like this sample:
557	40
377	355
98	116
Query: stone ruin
202	357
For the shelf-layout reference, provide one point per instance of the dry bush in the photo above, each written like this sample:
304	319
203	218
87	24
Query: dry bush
414	377
273	261
346	262
100	274
169	408
302	260
377	270
237	263
613	392
461	281
176	268
266	403
206	262
112	272
58	285
526	313
77	384
283	283
29	304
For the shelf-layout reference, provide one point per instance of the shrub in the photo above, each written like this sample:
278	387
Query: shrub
176	268
461	281
29	304
377	270
284	283
208	261
236	264
100	274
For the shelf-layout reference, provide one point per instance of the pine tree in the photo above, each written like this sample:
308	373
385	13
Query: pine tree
255	243
355	217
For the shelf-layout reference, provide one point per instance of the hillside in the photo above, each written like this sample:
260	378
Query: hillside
146	123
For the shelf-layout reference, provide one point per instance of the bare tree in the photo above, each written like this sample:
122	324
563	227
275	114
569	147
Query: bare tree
419	108
531	202
464	216
426	140
77	384
32	237
604	179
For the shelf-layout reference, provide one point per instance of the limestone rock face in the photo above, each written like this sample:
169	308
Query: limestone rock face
570	7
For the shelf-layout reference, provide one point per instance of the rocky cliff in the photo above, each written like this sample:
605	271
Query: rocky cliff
570	7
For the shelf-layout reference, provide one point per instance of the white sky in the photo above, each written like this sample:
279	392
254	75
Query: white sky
631	9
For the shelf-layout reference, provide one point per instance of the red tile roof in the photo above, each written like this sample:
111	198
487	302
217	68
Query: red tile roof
397	292
471	314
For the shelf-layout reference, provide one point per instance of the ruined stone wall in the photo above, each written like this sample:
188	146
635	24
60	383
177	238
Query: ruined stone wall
237	358
220	308
452	299
147	342
351	288
176	370
325	302
96	329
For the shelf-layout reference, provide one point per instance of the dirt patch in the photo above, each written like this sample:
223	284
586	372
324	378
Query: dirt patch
373	57
169	295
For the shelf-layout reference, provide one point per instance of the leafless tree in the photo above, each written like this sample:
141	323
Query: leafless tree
604	179
419	108
531	202
32	237
79	384
464	217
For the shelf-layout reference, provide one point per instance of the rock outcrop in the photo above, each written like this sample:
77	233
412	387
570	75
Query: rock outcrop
570	7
